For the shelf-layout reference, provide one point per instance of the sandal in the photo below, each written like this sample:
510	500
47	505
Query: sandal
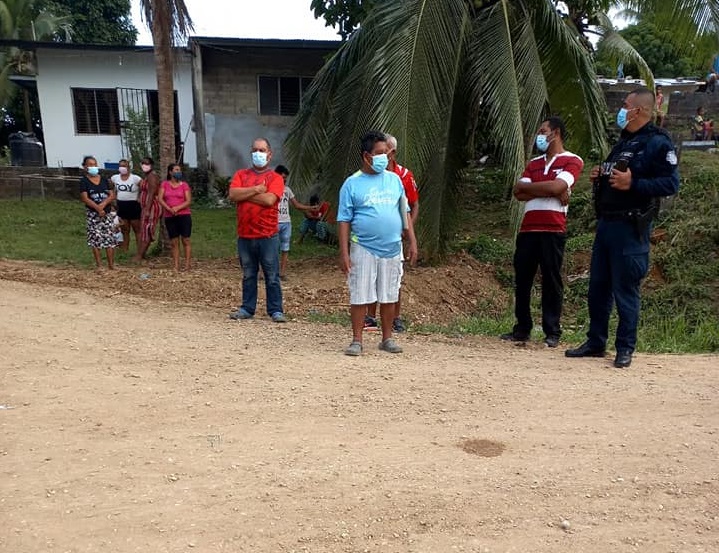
354	349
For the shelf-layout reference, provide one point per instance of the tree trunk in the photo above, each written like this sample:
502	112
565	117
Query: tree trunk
26	108
162	41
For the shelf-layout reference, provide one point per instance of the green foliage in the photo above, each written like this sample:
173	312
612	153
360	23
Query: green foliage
222	185
490	250
680	298
141	136
662	52
4	156
95	21
437	74
343	15
23	20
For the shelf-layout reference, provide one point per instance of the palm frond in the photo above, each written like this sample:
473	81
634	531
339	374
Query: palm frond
398	74
433	73
685	18
617	49
173	15
6	20
574	92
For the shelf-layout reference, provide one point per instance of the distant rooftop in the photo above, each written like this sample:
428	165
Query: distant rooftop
678	82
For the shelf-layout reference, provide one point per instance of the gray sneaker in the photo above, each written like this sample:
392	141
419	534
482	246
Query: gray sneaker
390	345
279	317
354	349
240	314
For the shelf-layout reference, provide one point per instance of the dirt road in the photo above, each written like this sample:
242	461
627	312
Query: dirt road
132	425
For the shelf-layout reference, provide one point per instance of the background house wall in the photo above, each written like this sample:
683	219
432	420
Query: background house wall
59	70
230	95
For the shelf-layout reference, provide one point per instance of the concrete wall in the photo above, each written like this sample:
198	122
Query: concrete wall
60	70
683	104
231	102
39	182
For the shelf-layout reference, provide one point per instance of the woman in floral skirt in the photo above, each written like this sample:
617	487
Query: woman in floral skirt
97	195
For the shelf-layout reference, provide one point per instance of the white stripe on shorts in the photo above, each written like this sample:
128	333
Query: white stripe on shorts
373	278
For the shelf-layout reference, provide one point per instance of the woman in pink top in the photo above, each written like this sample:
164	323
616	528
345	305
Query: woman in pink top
175	197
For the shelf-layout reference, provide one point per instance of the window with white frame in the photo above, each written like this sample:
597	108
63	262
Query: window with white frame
96	111
281	95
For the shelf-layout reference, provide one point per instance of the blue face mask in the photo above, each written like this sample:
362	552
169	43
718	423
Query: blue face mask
622	118
259	159
177	176
541	142
93	171
379	163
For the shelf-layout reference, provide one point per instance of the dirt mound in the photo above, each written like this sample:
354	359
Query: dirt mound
429	295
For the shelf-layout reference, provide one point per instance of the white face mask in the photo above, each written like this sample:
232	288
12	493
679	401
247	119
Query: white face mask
123	170
259	159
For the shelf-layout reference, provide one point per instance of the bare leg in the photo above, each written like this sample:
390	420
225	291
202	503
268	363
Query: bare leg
176	253
125	228
372	310
97	257
110	253
142	247
283	263
357	314
136	231
187	246
386	312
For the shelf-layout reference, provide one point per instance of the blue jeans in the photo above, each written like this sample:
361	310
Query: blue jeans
620	259
253	253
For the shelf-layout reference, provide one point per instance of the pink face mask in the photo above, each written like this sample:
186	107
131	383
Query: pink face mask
123	170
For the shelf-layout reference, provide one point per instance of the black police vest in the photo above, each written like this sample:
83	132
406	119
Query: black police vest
626	153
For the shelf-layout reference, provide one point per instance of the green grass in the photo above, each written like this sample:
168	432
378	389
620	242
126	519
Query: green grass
53	231
680	313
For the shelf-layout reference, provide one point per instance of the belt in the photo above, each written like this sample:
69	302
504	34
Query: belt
627	215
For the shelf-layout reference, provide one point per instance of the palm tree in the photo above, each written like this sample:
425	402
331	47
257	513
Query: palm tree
23	20
446	76
170	23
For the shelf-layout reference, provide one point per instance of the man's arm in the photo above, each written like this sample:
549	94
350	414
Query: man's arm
300	206
265	199
412	242
238	193
244	194
414	211
545	189
664	160
274	188
343	235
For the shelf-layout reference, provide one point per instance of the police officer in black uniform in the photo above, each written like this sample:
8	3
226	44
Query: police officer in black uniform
640	169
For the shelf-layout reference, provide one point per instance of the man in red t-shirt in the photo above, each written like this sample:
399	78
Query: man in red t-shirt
545	186
410	190
257	191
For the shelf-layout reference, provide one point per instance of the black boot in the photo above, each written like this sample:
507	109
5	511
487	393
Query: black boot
585	350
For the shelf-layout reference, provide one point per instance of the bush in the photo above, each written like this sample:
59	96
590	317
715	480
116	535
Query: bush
491	250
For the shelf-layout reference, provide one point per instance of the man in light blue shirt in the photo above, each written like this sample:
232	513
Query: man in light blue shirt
371	217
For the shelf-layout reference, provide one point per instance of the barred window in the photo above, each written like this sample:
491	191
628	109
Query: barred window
281	95
96	111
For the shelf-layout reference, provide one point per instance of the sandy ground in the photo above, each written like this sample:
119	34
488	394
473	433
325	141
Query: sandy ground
131	424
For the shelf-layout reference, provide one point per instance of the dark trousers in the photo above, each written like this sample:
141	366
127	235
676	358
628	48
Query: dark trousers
255	253
620	260
543	250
